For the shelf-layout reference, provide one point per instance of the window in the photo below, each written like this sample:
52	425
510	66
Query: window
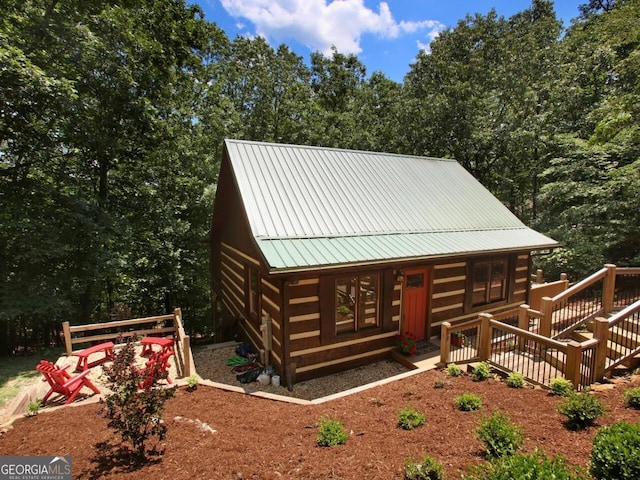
415	280
357	303
489	281
254	293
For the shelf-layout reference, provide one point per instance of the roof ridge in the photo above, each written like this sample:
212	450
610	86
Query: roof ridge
382	234
336	149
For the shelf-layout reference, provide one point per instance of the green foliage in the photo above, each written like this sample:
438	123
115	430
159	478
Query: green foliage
615	452
481	372
119	108
133	413
332	433
409	418
33	408
632	397
454	370
525	466
468	402
581	409
515	380
499	435
192	382
427	469
561	387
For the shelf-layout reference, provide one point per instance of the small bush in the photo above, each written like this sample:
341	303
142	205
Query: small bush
481	372
561	387
468	402
515	380
192	383
135	414
581	410
33	408
632	397
428	469
615	452
533	466
409	418
453	370
499	435
332	433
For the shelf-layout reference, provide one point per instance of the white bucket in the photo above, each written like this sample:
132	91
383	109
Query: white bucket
264	378
275	380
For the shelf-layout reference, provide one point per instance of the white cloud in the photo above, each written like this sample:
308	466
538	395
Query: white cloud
319	24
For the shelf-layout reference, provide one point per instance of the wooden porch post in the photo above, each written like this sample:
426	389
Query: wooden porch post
609	288
601	333
523	324
67	338
573	362
445	343
546	306
484	339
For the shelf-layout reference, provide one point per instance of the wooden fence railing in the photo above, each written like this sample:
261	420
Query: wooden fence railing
540	359
531	347
158	325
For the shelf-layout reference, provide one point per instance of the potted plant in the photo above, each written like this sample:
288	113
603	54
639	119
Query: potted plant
407	343
458	339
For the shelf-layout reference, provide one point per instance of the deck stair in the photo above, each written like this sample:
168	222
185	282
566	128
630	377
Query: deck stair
584	332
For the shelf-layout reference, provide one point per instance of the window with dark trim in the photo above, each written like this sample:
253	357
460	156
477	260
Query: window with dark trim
489	281
253	293
357	303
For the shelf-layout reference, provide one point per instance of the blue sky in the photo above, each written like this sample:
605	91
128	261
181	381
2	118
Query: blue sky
386	35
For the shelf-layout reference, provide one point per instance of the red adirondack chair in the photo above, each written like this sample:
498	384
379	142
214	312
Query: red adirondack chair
62	382
156	368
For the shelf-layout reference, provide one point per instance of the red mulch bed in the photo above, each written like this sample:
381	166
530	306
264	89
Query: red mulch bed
264	439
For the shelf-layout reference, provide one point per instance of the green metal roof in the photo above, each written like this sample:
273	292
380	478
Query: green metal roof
312	207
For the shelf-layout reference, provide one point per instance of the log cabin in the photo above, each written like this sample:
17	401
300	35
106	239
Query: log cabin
322	256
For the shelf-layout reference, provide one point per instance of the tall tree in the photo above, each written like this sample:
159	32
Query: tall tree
106	82
593	213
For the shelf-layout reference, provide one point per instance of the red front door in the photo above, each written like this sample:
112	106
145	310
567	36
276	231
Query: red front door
414	302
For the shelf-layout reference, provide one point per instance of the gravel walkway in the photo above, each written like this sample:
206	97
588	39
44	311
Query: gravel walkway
210	362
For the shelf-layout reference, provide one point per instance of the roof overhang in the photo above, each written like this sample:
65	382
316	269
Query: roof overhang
297	255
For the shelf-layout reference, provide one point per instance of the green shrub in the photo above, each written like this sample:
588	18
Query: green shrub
481	372
468	402
192	383
332	433
526	466
499	435
136	414
33	408
615	452
632	397
453	370
428	469
561	387
515	380
409	418
581	410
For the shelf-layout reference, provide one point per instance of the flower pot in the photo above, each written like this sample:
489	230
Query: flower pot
457	340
